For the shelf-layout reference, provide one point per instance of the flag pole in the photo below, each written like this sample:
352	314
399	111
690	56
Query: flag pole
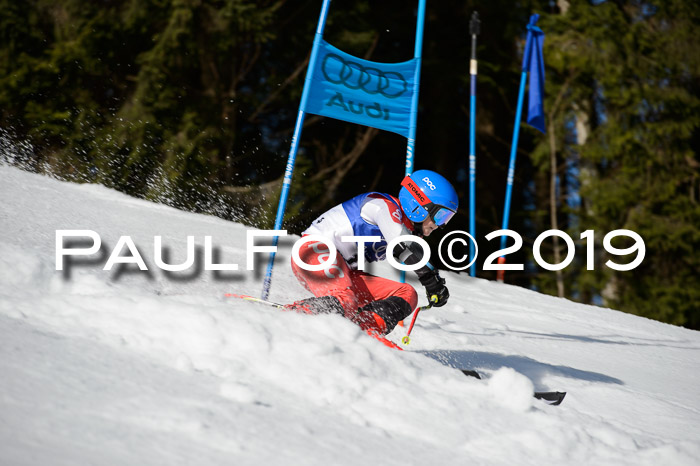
511	169
416	79
533	48
417	53
474	29
291	160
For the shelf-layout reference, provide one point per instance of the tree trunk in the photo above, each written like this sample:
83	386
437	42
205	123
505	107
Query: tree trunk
553	204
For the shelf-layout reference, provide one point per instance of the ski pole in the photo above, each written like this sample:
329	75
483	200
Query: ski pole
407	339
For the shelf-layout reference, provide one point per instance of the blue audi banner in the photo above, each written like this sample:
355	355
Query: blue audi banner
360	91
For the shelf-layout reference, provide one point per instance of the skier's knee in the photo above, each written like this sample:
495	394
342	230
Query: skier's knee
408	294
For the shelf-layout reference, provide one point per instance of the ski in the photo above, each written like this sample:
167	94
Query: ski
552	398
376	336
254	299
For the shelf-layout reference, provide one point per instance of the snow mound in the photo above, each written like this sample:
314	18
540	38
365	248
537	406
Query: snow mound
512	389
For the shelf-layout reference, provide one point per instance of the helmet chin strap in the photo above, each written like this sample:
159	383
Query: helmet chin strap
418	229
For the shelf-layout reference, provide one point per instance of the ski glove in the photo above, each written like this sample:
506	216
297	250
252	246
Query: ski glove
411	253
435	286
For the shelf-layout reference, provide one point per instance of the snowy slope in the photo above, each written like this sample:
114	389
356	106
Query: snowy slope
133	367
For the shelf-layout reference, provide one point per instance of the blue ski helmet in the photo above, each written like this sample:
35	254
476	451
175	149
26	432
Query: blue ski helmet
440	198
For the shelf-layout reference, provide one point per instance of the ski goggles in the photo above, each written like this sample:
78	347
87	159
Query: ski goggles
438	213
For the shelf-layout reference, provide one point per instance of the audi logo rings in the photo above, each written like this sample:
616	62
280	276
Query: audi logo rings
354	76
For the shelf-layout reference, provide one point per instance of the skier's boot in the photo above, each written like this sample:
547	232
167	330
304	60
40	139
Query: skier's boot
381	316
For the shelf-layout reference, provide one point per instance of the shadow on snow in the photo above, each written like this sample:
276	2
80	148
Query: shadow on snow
534	370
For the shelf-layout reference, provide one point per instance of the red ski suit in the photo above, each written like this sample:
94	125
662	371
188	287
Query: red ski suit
368	214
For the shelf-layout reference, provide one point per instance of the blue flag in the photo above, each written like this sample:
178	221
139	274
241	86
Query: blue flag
360	91
533	62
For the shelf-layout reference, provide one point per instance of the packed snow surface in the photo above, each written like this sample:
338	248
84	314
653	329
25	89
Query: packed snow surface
151	367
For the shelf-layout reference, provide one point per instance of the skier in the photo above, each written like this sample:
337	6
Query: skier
427	201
